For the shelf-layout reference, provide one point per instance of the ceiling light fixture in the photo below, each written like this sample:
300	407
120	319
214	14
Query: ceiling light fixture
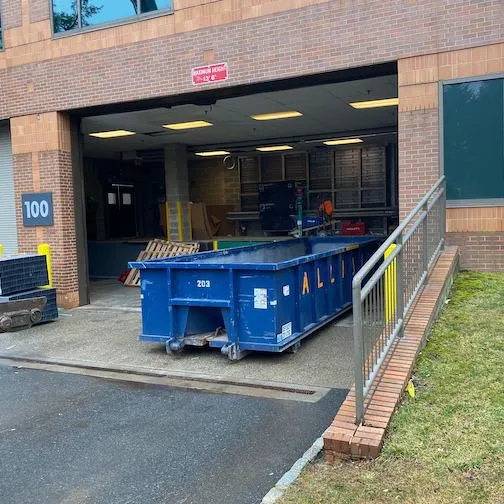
112	134
274	148
212	153
276	115
343	141
187	125
387	102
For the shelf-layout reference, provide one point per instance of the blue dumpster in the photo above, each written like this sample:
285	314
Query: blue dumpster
262	297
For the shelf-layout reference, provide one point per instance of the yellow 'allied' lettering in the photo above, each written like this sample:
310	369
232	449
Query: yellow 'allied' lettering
306	287
342	268
319	282
330	274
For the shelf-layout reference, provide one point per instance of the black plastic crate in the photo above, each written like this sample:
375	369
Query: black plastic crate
22	273
50	311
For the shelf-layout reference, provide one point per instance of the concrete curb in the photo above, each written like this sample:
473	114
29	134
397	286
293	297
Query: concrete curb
292	474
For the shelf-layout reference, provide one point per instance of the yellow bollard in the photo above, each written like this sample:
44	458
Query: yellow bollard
1	249
180	221
168	230
390	285
189	218
45	249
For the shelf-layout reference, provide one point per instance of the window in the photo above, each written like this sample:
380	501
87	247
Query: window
72	14
474	139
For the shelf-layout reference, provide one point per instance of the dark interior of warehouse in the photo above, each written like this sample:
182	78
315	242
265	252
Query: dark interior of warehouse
253	164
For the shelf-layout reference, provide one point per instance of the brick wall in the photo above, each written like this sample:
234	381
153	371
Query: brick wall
418	78
42	162
211	183
479	251
11	13
418	156
479	234
153	58
475	219
39	10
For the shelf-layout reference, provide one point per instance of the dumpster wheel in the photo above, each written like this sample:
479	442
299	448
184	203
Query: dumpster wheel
233	352
174	346
5	323
294	348
35	315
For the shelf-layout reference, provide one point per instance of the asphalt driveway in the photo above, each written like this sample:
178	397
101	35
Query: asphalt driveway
77	439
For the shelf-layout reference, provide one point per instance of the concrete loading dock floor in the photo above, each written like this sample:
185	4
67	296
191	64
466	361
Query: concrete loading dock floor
104	335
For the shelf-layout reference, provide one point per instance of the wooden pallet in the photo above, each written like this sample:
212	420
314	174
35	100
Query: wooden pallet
159	249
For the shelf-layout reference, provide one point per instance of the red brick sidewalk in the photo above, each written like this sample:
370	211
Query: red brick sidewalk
344	439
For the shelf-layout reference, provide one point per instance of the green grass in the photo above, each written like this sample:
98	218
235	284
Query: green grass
447	444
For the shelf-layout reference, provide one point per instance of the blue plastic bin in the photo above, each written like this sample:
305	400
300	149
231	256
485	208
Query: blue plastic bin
262	297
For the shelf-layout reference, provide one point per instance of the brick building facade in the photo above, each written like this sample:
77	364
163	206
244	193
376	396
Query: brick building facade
44	77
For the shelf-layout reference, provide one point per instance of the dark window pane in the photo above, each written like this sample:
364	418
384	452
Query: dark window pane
103	11
65	15
154	5
474	139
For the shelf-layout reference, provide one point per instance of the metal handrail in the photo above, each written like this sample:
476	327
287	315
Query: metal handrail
386	287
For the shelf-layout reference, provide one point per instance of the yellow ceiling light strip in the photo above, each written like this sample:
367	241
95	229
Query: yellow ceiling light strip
112	134
343	141
274	148
187	125
212	153
387	102
276	115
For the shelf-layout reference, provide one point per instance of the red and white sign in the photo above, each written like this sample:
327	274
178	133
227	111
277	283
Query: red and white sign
209	73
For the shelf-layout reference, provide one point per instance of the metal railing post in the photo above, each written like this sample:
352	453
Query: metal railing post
382	297
443	215
358	353
425	240
400	282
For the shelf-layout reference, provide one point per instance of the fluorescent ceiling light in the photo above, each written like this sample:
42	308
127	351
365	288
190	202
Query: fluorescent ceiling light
187	125
276	115
112	134
212	153
343	141
387	102
274	148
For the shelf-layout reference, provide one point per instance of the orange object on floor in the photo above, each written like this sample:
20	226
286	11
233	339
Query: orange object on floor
326	208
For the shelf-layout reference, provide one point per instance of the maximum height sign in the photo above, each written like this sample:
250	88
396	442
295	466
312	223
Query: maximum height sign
37	209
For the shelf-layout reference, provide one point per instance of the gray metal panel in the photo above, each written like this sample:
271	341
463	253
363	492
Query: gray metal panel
8	231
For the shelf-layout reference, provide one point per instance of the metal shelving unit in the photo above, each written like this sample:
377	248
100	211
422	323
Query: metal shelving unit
254	170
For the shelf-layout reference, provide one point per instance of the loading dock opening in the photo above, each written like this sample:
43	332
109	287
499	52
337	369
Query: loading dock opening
192	170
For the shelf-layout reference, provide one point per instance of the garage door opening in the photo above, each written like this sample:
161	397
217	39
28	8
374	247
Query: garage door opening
224	171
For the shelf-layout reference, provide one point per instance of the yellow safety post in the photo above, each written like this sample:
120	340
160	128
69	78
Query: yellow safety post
1	249
390	285
168	230
189	217
45	249
215	245
179	221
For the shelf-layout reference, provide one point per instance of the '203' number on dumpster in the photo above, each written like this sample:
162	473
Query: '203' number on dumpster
203	283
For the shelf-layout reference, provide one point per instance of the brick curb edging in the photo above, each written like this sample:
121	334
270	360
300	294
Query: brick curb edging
346	440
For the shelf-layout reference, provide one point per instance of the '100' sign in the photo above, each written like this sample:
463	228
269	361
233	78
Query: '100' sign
37	209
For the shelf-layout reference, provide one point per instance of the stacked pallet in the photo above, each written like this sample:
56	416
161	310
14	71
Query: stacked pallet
159	249
21	277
